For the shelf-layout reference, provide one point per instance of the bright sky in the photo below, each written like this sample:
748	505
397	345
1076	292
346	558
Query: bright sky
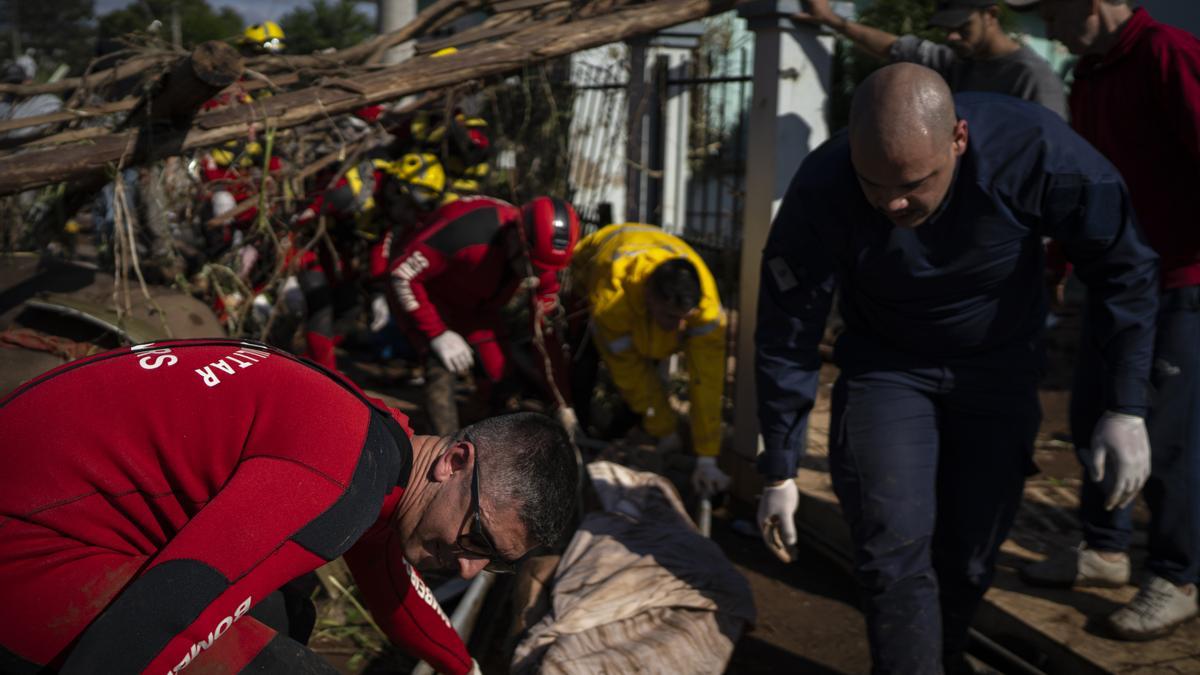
253	11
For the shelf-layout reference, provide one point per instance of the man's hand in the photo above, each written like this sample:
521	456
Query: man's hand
819	12
777	518
379	313
454	352
569	421
707	478
1120	441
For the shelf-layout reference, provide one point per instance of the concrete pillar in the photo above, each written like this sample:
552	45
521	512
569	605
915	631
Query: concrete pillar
392	16
792	75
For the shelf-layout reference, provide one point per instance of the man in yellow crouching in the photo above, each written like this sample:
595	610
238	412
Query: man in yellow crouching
650	295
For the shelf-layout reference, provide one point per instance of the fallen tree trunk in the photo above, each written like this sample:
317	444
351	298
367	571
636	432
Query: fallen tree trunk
538	42
211	67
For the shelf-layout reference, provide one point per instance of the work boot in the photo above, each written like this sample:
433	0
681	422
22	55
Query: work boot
1079	566
1156	611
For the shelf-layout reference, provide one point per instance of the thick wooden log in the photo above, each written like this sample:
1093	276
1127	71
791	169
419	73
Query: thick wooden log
538	42
211	67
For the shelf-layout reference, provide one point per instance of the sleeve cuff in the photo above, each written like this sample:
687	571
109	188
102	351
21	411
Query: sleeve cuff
778	464
1128	394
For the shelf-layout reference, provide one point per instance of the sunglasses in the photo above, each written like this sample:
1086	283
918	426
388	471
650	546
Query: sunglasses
477	542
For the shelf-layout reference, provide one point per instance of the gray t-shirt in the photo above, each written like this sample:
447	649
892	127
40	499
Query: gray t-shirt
1023	73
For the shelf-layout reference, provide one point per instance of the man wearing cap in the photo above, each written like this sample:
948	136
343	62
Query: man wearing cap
978	54
1136	98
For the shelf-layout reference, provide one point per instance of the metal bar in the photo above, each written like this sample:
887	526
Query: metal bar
683	81
635	104
704	184
722	188
655	180
740	151
704	517
595	87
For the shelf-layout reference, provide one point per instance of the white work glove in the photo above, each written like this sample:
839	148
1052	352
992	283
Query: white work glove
475	668
569	421
454	352
379	313
669	443
777	518
1120	441
707	479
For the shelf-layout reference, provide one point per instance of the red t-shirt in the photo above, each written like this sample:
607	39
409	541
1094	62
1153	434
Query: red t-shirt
1139	104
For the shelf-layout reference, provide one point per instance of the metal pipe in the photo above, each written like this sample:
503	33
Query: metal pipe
704	517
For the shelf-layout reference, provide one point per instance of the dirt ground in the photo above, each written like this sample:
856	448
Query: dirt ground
808	617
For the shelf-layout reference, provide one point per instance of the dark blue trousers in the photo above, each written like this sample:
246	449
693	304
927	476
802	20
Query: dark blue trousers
929	464
1173	491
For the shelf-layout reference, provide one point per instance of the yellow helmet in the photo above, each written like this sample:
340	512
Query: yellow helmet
266	36
421	172
236	153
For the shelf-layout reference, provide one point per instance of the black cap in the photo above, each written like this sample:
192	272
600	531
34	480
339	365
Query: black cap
954	13
1022	5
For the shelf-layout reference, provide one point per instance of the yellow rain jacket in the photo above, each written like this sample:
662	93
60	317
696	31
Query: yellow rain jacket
611	267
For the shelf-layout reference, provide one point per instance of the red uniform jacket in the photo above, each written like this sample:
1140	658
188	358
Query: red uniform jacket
456	274
153	495
1139	104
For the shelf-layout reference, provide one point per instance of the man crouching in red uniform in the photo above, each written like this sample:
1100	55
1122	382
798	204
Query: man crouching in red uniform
145	531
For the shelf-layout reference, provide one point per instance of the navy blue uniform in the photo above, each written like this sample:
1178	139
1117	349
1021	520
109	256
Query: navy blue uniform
936	410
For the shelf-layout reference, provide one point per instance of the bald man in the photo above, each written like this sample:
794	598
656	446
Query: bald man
929	216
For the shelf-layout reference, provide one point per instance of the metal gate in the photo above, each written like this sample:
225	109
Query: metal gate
668	148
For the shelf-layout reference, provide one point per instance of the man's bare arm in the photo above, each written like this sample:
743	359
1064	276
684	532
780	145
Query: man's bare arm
876	42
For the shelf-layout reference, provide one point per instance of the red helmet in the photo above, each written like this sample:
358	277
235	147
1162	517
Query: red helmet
551	230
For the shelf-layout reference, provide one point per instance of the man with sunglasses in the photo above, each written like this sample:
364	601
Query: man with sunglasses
151	530
978	55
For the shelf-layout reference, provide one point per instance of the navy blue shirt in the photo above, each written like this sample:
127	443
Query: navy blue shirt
963	289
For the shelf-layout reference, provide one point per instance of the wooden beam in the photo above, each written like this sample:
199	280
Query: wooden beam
126	69
538	42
